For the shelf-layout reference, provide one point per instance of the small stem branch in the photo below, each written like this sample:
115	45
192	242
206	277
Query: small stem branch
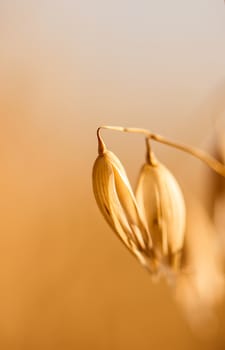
101	144
129	130
150	157
203	156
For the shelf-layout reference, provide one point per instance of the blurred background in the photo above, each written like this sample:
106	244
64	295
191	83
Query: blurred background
67	67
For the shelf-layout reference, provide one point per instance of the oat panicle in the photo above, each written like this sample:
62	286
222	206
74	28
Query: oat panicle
152	222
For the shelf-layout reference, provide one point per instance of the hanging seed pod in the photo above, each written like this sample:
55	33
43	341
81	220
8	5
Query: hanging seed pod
161	202
118	205
152	225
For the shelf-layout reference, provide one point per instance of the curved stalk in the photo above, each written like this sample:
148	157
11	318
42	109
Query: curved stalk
203	156
214	164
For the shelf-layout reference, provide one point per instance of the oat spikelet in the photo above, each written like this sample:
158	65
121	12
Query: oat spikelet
160	199
117	203
152	224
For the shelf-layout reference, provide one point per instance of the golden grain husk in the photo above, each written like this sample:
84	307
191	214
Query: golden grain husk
118	205
161	203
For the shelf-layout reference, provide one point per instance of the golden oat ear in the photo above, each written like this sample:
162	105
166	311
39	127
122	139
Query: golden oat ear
160	199
116	201
132	218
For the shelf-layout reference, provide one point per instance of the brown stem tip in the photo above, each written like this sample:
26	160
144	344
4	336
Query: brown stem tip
101	144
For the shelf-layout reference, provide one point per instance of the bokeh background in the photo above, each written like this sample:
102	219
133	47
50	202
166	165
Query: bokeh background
67	67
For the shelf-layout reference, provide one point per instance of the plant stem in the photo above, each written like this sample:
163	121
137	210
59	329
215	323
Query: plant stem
101	144
203	156
150	157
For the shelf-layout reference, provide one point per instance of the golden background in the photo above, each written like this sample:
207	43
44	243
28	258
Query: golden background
67	67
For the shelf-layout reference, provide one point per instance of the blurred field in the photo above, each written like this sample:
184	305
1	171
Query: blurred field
66	68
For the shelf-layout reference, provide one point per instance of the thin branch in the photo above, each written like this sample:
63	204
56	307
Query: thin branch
203	156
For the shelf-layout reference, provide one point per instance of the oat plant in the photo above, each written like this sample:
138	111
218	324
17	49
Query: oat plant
151	221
